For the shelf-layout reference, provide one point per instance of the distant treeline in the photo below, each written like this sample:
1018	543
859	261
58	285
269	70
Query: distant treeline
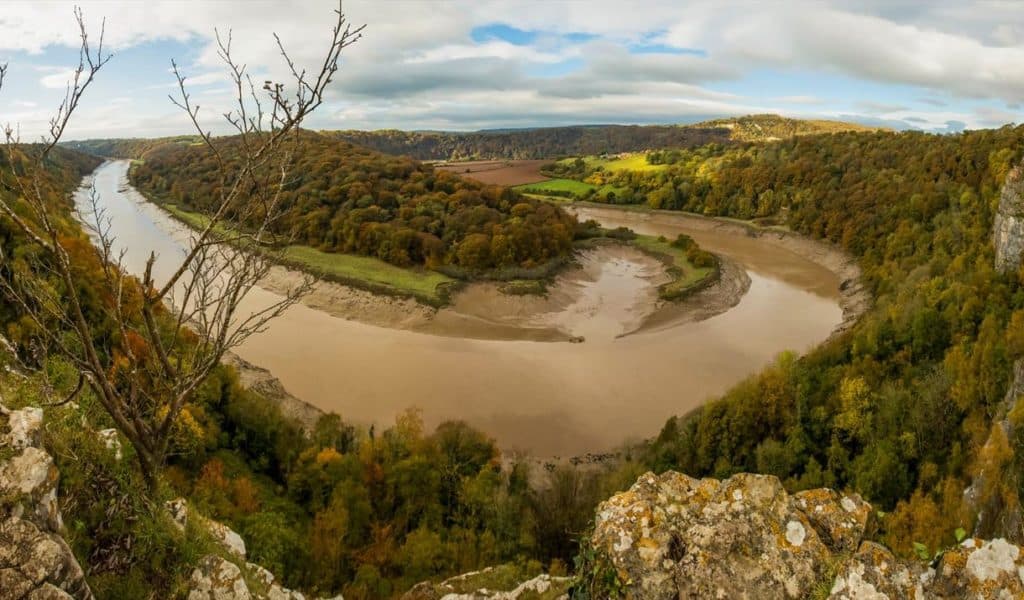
136	148
532	143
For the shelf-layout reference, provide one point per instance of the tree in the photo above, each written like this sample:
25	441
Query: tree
166	336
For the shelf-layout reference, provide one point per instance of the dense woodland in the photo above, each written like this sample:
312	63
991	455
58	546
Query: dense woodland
345	198
553	142
532	143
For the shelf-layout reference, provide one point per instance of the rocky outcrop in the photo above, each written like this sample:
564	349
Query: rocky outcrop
222	534
216	578
494	583
673	536
1008	229
35	561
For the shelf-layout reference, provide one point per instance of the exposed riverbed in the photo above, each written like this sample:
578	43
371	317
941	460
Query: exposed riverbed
552	398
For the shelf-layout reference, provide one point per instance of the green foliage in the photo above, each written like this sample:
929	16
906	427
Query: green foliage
690	267
346	199
542	143
596	578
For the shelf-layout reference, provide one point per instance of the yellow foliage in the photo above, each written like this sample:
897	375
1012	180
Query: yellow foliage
327	456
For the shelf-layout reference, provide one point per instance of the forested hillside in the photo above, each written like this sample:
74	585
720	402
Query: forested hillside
761	128
555	142
127	147
549	142
898	408
345	198
65	171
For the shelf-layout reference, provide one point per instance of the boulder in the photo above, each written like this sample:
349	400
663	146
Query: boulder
227	537
217	579
24	427
673	536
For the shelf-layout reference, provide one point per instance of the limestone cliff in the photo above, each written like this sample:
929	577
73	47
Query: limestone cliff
1008	229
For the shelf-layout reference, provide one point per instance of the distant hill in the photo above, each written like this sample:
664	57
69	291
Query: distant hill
127	147
554	142
766	128
543	143
530	144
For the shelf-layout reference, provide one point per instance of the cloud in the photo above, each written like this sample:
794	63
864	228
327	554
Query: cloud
490	63
58	79
804	99
879	108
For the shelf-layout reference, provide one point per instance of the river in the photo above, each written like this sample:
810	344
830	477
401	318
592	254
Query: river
551	399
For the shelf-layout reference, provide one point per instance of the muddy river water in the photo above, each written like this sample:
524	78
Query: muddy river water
550	398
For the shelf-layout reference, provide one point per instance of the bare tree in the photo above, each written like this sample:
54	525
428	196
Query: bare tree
169	333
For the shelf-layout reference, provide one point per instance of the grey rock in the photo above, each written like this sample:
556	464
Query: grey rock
111	441
1008	228
35	561
217	579
873	573
482	585
840	519
673	536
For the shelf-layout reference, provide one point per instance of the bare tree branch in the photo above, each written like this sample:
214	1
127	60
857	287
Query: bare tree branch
162	336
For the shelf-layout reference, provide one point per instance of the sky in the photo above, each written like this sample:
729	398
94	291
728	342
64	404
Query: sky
468	65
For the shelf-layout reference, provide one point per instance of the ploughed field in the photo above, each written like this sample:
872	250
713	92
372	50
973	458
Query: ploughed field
498	172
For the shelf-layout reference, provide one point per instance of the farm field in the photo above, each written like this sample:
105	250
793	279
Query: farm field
628	162
631	162
568	188
498	172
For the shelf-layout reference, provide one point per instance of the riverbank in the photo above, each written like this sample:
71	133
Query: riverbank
613	284
854	298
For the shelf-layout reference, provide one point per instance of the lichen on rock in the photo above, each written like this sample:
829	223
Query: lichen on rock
35	561
672	536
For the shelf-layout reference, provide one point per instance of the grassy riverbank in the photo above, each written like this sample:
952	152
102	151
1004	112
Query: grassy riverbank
687	277
364	272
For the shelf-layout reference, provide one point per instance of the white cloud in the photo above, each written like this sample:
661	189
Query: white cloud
58	80
419	67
